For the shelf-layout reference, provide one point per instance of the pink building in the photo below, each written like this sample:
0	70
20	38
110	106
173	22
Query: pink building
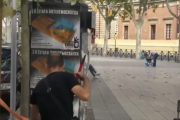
160	25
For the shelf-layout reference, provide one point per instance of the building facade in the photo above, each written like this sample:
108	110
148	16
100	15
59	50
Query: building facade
160	25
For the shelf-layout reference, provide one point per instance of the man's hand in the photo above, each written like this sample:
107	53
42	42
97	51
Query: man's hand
81	75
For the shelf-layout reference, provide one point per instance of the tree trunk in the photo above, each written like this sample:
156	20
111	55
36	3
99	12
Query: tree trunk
1	7
107	26
138	40
179	44
25	91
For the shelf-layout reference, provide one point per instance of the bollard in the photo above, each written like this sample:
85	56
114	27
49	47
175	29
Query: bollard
161	55
168	55
175	56
120	52
110	52
125	53
116	50
101	52
131	53
96	51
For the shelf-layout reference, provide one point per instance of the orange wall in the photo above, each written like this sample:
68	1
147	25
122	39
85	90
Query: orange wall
160	14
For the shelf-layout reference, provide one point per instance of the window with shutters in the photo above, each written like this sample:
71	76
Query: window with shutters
168	31
153	32
125	32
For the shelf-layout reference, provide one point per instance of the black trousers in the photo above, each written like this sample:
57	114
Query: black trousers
92	70
154	59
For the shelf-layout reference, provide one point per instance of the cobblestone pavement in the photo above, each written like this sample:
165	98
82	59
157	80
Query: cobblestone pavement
145	93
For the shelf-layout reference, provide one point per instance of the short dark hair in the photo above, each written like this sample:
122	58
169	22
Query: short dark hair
55	60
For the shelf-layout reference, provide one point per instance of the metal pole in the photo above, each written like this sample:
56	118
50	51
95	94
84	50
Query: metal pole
13	61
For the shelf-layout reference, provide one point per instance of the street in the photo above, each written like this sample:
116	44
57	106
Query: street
141	93
126	90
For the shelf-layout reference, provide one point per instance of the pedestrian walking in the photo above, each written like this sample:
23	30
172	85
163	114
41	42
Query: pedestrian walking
93	72
53	95
154	55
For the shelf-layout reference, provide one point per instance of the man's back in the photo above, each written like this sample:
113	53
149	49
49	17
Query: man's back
61	84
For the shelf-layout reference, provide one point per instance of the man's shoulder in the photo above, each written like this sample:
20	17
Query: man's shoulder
41	82
64	74
68	73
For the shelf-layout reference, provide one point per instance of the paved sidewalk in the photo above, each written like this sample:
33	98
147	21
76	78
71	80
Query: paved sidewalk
103	103
143	93
127	90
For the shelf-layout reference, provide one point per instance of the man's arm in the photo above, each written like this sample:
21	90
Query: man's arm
86	85
35	113
34	109
83	92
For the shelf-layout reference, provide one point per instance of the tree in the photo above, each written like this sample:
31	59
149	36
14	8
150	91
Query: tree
130	12
104	5
1	17
178	18
25	93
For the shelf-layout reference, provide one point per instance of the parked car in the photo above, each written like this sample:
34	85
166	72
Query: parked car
6	74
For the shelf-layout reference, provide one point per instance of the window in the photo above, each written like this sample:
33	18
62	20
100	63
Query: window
168	31
178	28
125	32
153	32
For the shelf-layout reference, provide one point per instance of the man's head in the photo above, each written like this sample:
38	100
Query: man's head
55	62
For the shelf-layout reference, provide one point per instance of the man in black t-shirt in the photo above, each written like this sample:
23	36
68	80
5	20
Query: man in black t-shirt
63	86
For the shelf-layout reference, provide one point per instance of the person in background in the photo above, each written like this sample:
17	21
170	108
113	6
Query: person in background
63	86
142	54
93	72
154	55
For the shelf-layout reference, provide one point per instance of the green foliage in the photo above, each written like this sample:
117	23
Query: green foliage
19	5
103	4
143	6
79	1
125	13
38	5
5	2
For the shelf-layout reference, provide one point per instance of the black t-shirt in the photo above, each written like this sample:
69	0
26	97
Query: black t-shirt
61	84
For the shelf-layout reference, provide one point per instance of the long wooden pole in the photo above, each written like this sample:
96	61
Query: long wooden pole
1	17
24	108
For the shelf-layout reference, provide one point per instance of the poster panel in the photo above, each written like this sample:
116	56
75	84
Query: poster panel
38	63
55	27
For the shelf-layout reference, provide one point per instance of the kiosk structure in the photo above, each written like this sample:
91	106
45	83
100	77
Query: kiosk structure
60	27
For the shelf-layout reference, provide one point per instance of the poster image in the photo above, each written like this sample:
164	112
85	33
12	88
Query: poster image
55	28
39	69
